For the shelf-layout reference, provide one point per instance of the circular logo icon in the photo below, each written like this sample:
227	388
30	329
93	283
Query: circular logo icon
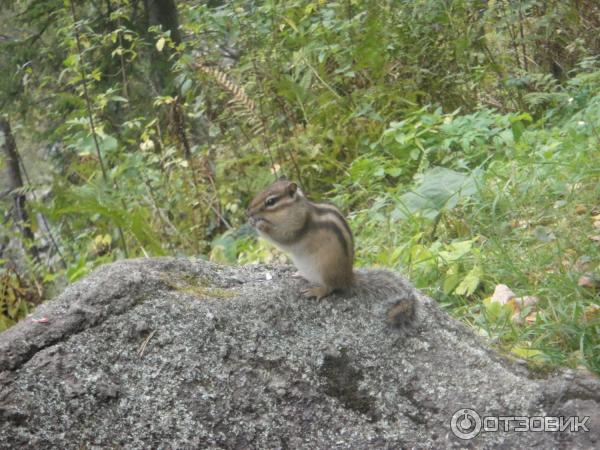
465	424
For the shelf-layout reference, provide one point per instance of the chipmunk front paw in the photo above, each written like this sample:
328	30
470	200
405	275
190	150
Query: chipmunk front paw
318	292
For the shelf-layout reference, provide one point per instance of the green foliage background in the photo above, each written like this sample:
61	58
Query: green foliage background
460	137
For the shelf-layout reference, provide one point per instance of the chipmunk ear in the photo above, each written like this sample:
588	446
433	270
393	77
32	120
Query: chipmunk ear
292	188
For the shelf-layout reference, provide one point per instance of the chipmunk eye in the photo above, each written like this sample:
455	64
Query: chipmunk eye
271	201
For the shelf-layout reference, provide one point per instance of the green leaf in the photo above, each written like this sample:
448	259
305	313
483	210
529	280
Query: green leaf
470	283
456	250
527	353
441	189
98	199
496	312
451	279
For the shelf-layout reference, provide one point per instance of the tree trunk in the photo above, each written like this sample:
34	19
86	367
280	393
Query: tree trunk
163	13
15	186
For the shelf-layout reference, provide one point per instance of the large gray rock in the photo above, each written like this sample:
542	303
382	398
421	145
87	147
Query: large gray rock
167	353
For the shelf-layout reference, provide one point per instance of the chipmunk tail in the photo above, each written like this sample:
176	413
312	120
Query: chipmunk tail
382	284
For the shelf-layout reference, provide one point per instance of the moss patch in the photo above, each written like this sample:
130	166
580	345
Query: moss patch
198	287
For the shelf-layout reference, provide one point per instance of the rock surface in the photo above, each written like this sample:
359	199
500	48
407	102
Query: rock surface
176	353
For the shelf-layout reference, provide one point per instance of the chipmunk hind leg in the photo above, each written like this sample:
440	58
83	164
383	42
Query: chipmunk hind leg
335	275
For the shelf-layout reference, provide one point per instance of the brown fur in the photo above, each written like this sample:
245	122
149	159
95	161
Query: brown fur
314	229
317	235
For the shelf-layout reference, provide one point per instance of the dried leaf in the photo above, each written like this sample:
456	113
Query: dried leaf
590	313
531	317
527	301
544	234
41	320
516	317
502	294
588	281
512	303
582	264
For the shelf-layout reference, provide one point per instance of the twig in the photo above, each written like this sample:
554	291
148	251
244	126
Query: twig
144	344
122	61
157	209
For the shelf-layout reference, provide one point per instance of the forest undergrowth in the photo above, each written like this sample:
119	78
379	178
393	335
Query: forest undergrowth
460	138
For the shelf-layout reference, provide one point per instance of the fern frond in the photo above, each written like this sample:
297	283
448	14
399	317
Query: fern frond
537	99
238	92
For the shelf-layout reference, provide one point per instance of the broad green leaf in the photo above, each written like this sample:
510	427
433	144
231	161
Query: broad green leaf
441	189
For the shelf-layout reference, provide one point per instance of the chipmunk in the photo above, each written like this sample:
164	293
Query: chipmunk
321	245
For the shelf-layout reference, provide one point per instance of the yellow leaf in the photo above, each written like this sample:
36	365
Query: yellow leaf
160	44
310	8
291	24
512	304
525	352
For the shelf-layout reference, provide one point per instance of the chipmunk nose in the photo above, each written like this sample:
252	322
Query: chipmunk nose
251	219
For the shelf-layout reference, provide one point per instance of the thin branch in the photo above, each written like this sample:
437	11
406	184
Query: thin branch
89	112
44	221
522	34
34	38
86	93
123	71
